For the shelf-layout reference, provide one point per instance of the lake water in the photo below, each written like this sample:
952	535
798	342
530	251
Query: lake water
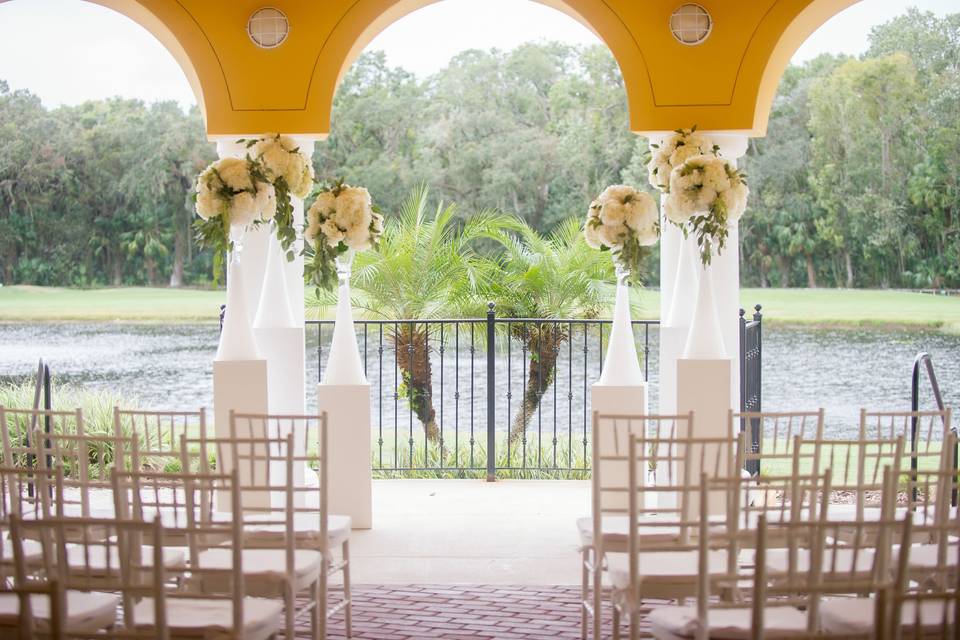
169	366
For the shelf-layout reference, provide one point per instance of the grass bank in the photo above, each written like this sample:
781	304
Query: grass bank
820	307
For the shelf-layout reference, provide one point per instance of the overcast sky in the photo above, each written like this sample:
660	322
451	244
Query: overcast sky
68	51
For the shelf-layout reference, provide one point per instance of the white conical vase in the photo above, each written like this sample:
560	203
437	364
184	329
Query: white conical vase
705	340
621	367
236	338
273	311
344	366
684	285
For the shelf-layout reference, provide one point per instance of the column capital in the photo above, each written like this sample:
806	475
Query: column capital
732	145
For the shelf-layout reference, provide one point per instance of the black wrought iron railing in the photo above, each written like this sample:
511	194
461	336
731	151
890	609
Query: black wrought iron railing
751	378
477	396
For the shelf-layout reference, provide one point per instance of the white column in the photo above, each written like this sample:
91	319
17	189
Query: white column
726	282
726	272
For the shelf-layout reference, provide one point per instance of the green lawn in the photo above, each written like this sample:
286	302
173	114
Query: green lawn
130	304
834	307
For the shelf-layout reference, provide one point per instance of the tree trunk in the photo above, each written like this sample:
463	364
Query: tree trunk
848	263
544	346
176	275
811	271
784	266
413	359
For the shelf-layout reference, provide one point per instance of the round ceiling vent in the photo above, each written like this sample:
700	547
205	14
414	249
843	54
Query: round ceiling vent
690	24
268	27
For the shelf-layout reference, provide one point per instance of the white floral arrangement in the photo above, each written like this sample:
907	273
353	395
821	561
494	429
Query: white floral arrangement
706	194
290	171
673	152
625	222
231	191
341	219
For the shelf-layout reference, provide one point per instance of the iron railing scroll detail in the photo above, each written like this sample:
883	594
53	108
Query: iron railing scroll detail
751	380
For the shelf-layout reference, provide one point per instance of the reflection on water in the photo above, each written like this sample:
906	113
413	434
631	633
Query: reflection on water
168	366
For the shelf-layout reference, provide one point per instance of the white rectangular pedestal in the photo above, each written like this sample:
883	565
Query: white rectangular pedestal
703	386
612	436
348	437
241	386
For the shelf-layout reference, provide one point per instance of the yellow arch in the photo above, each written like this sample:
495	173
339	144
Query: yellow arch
725	84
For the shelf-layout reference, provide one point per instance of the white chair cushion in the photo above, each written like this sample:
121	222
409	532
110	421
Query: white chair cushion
855	615
95	557
778	561
306	527
664	567
924	556
616	529
32	550
86	611
729	624
195	616
266	564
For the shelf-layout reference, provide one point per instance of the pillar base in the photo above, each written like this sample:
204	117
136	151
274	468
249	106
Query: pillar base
703	388
240	386
349	471
628	400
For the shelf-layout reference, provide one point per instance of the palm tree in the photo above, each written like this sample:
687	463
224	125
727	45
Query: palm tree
424	267
557	276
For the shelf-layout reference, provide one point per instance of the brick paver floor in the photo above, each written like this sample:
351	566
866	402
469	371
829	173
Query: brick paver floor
455	612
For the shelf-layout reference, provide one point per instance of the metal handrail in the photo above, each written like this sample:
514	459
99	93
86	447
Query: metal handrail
924	359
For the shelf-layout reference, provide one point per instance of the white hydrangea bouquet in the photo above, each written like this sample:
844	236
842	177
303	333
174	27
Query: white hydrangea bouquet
705	193
290	172
675	150
231	191
625	222
341	220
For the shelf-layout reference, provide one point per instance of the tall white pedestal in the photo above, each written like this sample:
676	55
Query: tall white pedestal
612	437
348	437
703	386
282	347
240	386
672	341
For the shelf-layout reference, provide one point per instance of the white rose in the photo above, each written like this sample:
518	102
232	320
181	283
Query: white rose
358	238
679	208
208	204
354	208
235	173
303	181
243	208
735	199
642	219
591	234
322	207
332	232
613	235
614	212
594	210
266	201
311	233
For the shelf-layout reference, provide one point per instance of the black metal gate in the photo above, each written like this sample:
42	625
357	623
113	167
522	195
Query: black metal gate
751	389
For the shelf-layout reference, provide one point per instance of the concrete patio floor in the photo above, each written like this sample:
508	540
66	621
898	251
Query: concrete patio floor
510	532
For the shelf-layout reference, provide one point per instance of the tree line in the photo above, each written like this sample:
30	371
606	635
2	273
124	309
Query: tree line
856	184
